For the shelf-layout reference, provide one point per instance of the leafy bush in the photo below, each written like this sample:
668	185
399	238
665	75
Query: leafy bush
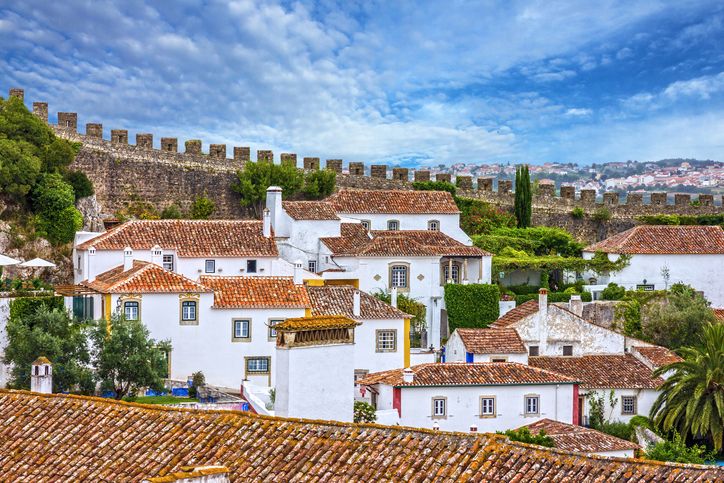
202	208
57	155
319	184
197	380
473	305
254	179
478	217
638	420
602	214
23	307
364	412
82	186
52	193
57	217
553	297
171	212
613	292
571	291
617	429
435	186
677	451
523	289
525	436
577	212
60	227
409	306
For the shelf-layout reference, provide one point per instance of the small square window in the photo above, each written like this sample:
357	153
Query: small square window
257	365
439	407
367	224
312	266
532	405
628	405
433	225
241	330
533	350
210	266
393	225
168	262
487	406
251	266
386	340
567	350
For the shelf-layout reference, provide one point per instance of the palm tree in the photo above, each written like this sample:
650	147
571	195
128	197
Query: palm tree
691	400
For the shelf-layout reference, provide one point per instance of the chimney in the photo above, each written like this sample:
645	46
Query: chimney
298	273
41	376
436	426
266	231
356	304
473	428
157	255
393	297
127	259
576	305
408	376
543	320
274	205
90	273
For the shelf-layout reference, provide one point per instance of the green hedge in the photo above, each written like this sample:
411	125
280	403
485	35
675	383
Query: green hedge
552	297
474	305
23	307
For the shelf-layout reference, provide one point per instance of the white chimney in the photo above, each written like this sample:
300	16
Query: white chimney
298	280
473	428
408	376
356	304
543	320
436	426
274	205
127	259
393	297
266	216
576	305
157	255
90	260
41	376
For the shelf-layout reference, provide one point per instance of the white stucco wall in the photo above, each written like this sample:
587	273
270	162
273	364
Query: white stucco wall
4	314
645	400
366	356
449	223
455	352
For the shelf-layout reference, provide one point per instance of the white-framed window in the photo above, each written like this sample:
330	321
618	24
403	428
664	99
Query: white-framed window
131	310
258	365
312	266
188	310
399	276
433	225
628	405
241	330
367	224
455	272
393	225
251	266
386	340
533	350
567	350
532	405
487	406
272	330
210	266
439	407
168	262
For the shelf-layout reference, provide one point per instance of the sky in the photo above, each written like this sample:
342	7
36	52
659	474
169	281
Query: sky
428	82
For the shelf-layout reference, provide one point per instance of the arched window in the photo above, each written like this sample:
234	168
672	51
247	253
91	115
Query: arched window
433	225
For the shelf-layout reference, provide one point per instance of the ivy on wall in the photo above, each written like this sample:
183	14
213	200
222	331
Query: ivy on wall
473	305
599	263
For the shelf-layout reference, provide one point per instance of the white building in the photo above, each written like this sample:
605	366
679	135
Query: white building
662	255
570	437
459	396
486	345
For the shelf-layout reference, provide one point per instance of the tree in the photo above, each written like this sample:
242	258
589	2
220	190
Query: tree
523	200
171	212
126	358
254	179
409	306
691	399
677	451
57	155
19	168
319	184
364	412
202	208
53	201
82	186
39	330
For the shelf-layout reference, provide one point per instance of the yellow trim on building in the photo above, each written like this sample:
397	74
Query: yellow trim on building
107	306
315	282
406	343
346	281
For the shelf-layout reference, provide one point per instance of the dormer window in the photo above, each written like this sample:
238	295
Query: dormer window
210	266
251	266
433	225
168	262
393	225
367	224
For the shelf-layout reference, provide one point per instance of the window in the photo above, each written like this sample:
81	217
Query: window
360	374
487	407
210	266
439	407
628	405
168	262
130	310
367	224
567	350
455	273
257	365
188	311
433	225
393	225
498	359
241	330
83	308
532	405
533	350
251	266
398	276
312	266
386	340
272	330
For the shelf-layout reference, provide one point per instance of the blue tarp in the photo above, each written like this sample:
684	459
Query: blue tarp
180	391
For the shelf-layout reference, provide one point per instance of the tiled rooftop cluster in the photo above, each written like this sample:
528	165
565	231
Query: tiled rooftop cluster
143	277
256	292
601	371
391	201
504	340
339	300
664	239
570	437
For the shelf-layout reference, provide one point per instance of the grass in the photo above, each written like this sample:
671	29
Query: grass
164	400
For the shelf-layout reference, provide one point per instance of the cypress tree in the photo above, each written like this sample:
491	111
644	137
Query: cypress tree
523	198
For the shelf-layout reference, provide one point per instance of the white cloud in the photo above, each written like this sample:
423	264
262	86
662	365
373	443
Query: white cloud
578	112
701	87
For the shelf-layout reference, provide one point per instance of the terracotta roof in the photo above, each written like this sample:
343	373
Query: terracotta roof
338	300
519	313
317	322
719	314
189	238
393	201
256	292
61	437
143	277
503	340
657	355
468	374
601	371
399	243
570	437
310	210
664	239
40	360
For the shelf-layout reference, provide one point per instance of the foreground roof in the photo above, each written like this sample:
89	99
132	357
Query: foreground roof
503	340
256	292
658	356
310	210
570	437
189	238
143	277
517	314
393	201
468	374
317	322
664	239
47	438
613	371
339	300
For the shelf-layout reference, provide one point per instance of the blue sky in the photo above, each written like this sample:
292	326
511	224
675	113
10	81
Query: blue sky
393	81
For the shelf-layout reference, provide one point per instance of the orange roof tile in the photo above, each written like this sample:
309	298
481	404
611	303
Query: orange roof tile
310	210
601	371
570	437
317	322
468	374
519	313
657	355
189	238
58	437
338	300
664	239
719	313
502	340
143	277
256	292
393	201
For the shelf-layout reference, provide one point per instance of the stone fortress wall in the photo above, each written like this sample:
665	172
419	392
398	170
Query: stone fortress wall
124	173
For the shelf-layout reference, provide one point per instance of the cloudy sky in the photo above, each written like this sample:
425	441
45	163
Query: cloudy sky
394	81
